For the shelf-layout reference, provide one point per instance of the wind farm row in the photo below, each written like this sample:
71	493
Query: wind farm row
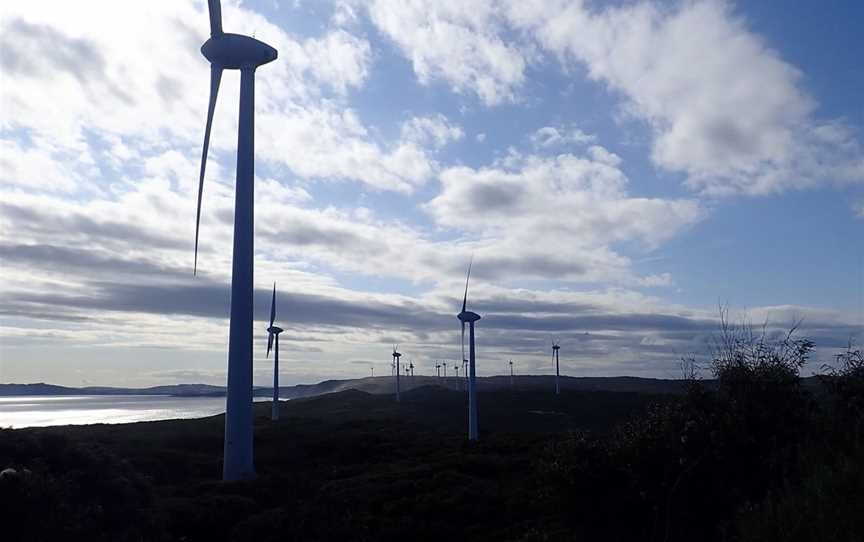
226	51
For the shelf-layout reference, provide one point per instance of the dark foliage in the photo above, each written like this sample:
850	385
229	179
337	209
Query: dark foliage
750	456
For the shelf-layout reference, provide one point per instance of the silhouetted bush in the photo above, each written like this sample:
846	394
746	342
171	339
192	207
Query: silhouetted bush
68	490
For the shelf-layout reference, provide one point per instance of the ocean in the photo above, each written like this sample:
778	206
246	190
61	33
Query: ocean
45	410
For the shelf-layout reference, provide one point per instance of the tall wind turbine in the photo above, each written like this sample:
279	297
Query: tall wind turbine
555	348
235	52
467	317
396	356
445	369
511	374
273	337
438	368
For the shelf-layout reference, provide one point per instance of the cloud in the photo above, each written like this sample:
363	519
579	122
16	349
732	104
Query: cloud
725	108
456	42
556	216
76	94
549	136
434	129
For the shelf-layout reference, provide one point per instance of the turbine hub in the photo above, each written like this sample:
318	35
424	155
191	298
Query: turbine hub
275	330
233	51
468	316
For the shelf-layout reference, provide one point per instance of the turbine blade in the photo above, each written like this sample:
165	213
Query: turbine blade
465	297
215	78
269	343
215	9
273	306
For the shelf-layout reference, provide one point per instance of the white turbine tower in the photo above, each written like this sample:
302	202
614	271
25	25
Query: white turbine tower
467	317
555	348
236	52
273	342
396	356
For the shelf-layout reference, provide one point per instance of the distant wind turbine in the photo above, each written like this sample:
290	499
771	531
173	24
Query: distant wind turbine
411	366
511	374
555	348
236	52
438	368
396	356
445	369
373	371
273	337
467	317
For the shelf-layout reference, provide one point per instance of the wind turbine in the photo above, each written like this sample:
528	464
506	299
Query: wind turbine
438	368
445	369
511	374
467	317
235	52
396	356
411	366
273	337
555	348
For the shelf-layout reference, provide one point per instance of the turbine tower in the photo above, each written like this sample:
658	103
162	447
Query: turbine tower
555	348
444	364
438	368
467	317
396	356
235	52
511	374
273	337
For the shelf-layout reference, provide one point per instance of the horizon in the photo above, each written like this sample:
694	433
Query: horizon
619	188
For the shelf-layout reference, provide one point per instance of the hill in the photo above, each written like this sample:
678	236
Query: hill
376	385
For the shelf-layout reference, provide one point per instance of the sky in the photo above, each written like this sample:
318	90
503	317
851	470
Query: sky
618	170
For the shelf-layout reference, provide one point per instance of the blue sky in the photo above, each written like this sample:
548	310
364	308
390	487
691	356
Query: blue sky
618	168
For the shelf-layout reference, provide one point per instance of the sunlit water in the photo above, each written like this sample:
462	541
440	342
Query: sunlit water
44	410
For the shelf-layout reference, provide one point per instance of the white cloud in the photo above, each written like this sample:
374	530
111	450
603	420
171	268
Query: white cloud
724	107
549	136
457	42
101	91
561	214
434	129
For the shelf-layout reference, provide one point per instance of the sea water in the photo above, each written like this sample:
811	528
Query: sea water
44	410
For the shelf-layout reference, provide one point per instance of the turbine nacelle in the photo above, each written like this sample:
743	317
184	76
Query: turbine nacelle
235	51
275	330
467	317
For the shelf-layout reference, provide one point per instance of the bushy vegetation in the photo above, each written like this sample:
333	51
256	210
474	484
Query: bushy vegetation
750	455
